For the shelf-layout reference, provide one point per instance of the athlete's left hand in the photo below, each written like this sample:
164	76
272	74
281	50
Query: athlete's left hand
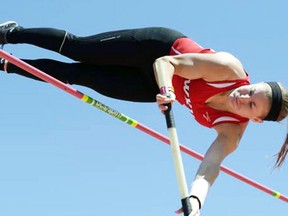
163	100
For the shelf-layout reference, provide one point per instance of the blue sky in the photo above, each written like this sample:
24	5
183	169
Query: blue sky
61	157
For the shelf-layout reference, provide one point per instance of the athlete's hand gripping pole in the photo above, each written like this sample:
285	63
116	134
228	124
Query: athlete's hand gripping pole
186	206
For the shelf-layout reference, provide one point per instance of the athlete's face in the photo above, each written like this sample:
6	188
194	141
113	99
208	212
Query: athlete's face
251	101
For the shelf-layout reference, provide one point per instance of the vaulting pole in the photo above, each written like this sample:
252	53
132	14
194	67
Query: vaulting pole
40	74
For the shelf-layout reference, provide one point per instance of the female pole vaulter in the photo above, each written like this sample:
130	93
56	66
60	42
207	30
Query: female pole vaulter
126	65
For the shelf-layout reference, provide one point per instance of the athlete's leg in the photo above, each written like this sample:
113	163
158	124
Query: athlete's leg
121	82
131	47
110	48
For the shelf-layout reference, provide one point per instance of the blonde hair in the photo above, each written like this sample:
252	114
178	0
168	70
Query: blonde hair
281	155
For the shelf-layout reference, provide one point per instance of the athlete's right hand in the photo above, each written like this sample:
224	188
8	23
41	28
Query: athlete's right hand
164	99
193	213
195	208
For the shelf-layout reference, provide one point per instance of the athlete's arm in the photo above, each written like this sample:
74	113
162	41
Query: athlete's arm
228	138
211	67
226	142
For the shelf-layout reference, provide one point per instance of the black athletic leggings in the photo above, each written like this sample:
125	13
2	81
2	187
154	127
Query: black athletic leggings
117	64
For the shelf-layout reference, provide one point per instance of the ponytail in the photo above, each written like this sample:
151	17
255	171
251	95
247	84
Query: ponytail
282	153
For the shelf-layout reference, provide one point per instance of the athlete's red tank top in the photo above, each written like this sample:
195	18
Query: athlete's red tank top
194	93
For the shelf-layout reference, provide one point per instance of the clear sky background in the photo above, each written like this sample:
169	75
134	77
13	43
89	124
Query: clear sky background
62	157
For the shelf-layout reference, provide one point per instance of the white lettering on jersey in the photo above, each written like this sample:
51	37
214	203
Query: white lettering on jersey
186	89
207	117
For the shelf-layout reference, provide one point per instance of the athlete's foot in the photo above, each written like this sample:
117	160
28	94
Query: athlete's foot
3	64
4	28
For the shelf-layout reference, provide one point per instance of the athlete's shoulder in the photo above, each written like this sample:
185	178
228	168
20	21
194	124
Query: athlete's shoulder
187	45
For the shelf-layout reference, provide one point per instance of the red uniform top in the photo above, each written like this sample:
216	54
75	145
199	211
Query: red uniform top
194	93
